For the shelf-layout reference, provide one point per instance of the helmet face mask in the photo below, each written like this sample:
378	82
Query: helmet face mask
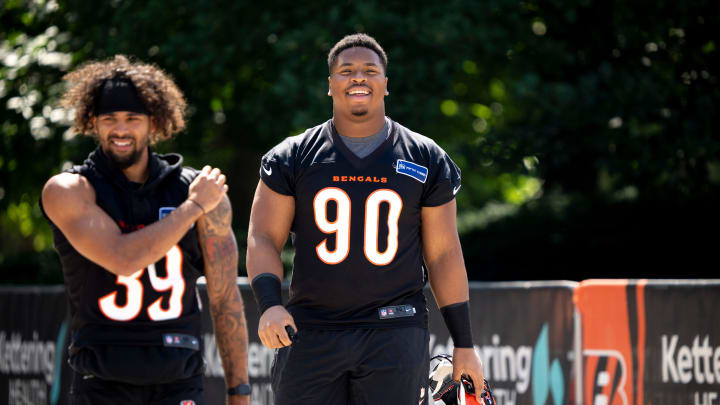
440	380
445	391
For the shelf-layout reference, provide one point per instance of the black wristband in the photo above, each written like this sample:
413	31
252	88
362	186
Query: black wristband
457	320
240	389
266	288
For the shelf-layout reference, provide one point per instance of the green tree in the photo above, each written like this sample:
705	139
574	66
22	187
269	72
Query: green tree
584	129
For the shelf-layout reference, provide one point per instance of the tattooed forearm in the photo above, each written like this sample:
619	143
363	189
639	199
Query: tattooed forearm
231	339
218	221
221	249
226	307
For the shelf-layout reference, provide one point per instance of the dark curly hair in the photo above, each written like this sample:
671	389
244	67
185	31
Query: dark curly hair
357	40
156	88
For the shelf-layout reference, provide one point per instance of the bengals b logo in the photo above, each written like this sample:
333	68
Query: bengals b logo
606	374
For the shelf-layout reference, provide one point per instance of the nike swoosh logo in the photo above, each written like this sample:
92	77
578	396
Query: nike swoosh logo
268	172
455	189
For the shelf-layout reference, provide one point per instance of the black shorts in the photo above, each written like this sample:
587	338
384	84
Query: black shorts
357	367
94	391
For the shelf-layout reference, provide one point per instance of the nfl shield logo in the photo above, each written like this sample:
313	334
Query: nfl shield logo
168	339
383	312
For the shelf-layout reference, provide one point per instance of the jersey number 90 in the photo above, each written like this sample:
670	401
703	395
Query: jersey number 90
341	225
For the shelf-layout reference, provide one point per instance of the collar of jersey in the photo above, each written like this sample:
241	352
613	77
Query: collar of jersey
357	162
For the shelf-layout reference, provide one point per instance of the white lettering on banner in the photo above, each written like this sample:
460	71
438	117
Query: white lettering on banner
259	364
259	359
27	357
213	364
500	363
684	364
706	398
27	392
505	397
261	394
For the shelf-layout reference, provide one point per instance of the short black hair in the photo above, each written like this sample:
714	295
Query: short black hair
357	40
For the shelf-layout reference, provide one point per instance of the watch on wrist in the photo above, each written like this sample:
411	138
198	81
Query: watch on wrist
240	389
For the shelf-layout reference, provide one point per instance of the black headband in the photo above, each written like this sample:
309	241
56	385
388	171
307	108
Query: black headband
118	94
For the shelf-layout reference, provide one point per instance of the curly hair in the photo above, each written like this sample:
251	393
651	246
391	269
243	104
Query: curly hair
356	40
156	88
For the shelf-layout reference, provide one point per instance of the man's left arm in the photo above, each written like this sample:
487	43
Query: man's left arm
220	251
449	283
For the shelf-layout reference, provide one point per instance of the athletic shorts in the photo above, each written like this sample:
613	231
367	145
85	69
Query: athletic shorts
354	367
94	391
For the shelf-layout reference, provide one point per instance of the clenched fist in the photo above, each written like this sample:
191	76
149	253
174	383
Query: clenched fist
271	327
208	188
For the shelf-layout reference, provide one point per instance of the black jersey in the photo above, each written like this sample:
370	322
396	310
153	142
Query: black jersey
155	306
357	227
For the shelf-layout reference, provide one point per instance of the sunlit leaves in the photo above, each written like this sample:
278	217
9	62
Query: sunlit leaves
481	111
449	107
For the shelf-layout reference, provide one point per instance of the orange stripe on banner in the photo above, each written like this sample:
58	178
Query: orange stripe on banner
605	333
641	341
598	297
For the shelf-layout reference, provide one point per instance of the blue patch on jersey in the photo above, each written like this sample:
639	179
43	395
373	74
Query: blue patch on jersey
165	211
411	169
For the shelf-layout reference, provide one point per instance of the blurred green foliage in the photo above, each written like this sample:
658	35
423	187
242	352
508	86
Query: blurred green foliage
586	130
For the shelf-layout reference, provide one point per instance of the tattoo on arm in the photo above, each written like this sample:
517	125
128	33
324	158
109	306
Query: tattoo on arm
226	307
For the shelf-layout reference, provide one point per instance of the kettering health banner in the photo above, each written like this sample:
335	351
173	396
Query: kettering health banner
650	342
643	342
682	346
523	331
33	359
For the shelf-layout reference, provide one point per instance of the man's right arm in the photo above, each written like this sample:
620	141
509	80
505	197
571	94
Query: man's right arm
69	201
271	216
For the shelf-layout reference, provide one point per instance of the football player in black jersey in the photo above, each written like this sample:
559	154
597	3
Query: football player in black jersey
134	231
371	209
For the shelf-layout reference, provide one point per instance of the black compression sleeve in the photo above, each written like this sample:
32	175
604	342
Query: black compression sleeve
457	320
266	288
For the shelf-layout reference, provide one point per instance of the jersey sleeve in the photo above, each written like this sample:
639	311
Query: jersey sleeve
277	169
443	179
